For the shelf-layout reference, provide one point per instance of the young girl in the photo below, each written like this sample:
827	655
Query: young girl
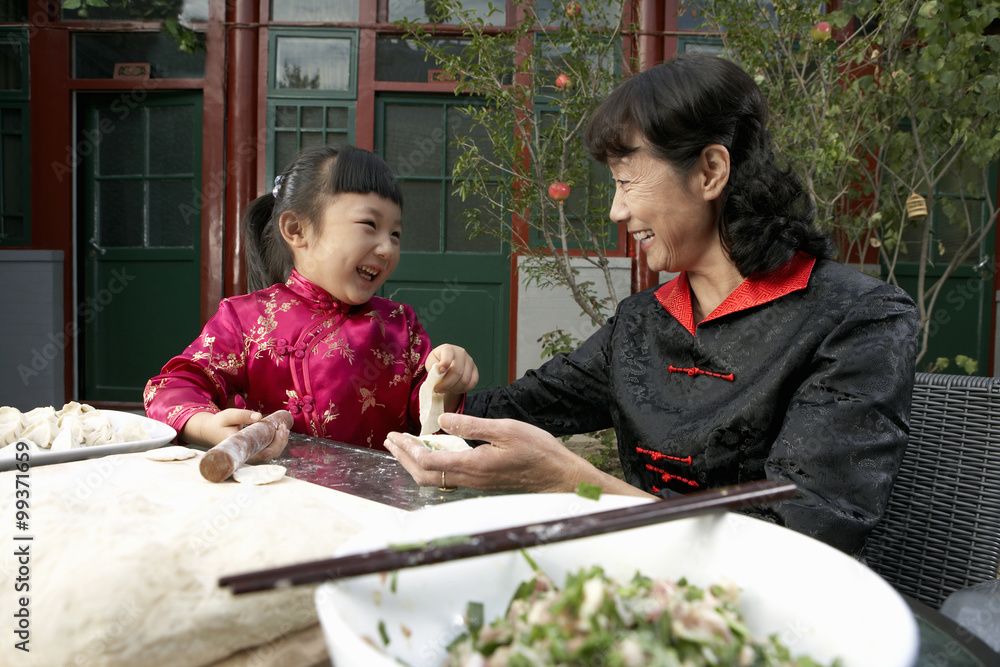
312	338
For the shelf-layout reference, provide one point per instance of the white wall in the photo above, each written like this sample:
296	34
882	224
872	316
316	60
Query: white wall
541	311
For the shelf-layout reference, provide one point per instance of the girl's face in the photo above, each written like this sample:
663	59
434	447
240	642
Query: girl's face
353	249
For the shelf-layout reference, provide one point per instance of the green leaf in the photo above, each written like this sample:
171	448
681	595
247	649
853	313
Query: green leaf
587	490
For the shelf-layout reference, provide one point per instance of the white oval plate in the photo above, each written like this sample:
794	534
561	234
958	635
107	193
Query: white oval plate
819	601
159	435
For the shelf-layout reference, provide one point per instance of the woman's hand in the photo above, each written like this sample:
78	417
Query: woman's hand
519	457
460	374
210	428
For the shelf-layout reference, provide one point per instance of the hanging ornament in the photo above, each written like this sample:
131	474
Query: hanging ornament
916	206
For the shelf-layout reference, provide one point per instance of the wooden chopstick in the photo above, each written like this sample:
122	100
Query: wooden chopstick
508	539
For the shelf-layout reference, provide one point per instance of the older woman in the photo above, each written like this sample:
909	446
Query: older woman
762	359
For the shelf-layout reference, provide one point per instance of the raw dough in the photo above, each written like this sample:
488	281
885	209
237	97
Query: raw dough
172	453
431	402
127	554
262	474
449	443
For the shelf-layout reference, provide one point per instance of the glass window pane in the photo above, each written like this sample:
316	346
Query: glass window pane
552	12
14	11
313	63
285	147
286	117
11	54
312	116
95	55
173	214
414	140
337	138
397	59
336	117
141	10
457	237
12	228
310	139
690	16
13	174
459	124
170	130
121	147
324	11
421	216
119	213
425	12
11	120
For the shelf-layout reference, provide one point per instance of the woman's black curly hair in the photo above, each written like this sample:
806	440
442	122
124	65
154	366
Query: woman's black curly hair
695	100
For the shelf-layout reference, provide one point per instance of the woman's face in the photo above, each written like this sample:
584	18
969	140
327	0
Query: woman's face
666	212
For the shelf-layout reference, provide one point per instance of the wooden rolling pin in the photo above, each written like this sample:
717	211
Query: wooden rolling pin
220	461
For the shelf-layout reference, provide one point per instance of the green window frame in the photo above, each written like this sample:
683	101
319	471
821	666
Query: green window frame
294	124
331	34
434	167
15	150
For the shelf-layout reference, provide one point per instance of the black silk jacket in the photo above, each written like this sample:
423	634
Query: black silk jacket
805	376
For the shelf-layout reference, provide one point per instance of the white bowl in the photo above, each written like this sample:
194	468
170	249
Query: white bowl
819	601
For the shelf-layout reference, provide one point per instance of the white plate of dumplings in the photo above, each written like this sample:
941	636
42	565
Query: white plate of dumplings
76	432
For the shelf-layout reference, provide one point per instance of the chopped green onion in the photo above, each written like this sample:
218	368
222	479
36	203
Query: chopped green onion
382	633
474	617
587	490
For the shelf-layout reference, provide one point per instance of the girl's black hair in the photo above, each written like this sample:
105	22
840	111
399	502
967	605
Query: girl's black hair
306	186
695	100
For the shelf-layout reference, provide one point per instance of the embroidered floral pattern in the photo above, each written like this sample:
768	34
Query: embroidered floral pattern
344	375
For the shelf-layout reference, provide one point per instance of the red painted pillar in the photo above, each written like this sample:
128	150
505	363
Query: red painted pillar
651	16
245	137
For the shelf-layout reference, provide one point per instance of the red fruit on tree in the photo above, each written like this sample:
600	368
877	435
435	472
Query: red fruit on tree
559	191
573	9
820	32
563	81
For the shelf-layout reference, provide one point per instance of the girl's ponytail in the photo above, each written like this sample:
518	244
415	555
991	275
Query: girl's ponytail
266	255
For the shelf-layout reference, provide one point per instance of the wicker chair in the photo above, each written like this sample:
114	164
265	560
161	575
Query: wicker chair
941	531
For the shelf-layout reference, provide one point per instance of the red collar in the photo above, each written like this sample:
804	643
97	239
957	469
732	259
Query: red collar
675	295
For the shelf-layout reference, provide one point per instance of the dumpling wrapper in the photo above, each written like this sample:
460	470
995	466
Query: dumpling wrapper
445	442
260	474
431	402
172	453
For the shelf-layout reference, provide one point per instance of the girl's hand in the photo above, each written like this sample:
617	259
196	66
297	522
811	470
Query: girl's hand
519	457
460	374
209	429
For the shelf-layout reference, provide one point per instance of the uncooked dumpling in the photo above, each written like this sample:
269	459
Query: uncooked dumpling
172	453
38	414
134	431
11	425
431	402
70	436
41	432
262	474
442	441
